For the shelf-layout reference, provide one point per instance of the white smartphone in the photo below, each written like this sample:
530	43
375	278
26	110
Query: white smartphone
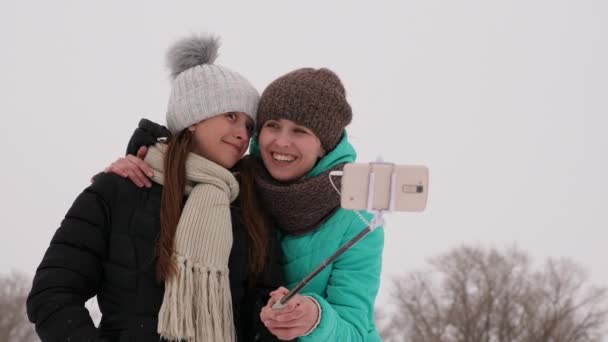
396	187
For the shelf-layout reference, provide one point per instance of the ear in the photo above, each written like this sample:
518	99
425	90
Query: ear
322	153
192	128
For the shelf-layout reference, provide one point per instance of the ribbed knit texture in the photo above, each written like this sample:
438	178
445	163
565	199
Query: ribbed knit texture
207	90
298	207
314	98
197	303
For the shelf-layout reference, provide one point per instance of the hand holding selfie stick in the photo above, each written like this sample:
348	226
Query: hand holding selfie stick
376	222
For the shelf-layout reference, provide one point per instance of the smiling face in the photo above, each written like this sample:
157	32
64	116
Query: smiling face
288	150
223	139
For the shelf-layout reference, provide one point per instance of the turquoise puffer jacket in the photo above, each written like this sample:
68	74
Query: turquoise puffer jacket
346	289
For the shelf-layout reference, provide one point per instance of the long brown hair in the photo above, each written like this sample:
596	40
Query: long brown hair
174	165
257	225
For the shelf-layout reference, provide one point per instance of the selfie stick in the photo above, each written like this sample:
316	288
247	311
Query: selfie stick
377	221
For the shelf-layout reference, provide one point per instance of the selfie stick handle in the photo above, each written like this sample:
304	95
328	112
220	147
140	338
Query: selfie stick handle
374	224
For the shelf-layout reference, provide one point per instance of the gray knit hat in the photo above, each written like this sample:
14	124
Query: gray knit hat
202	89
314	98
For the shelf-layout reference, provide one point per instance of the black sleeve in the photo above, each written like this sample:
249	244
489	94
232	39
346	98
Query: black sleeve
146	134
258	292
71	270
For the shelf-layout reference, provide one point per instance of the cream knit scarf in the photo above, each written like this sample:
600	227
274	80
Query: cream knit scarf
197	305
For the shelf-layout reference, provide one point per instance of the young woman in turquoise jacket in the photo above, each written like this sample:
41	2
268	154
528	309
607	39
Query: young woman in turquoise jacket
300	139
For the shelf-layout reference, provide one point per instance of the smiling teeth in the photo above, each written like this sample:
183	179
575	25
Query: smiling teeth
282	157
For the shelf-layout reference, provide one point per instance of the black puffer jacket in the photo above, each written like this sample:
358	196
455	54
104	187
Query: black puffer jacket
105	246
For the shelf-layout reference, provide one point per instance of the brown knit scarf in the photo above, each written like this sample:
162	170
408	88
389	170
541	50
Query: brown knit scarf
301	206
197	305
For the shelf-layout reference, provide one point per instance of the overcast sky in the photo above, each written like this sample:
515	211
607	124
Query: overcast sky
506	102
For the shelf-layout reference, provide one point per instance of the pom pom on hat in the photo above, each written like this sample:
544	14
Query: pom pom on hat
202	89
192	51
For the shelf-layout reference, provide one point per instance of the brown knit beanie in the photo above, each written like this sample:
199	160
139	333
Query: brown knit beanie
314	98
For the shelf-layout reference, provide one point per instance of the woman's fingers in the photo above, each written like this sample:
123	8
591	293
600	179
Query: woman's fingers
295	319
281	291
141	153
141	165
130	168
135	173
296	322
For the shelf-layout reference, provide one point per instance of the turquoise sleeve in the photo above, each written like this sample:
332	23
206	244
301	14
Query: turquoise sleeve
348	304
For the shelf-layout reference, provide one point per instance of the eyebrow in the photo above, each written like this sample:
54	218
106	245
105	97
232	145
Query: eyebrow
304	128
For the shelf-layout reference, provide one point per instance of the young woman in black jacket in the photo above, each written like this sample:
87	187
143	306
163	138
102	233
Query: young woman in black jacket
171	261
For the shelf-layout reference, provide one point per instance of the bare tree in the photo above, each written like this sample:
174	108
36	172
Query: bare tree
382	322
477	295
14	325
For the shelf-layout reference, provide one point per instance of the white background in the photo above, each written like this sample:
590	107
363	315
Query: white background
505	101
